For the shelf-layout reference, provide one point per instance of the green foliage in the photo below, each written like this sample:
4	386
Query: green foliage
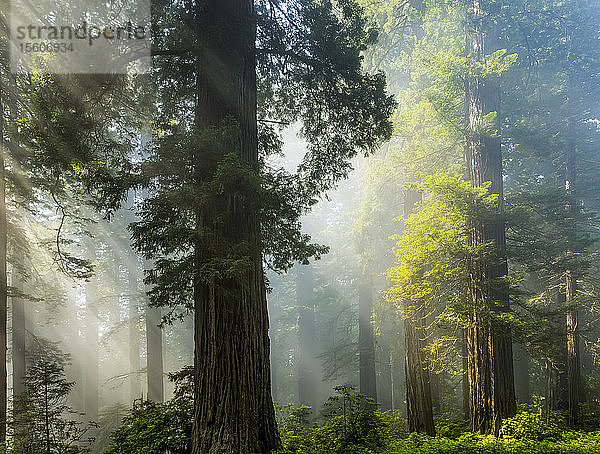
574	443
533	426
526	433
432	255
152	428
447	426
41	423
352	425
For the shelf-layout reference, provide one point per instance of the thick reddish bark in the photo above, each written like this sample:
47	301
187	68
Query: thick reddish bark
419	407
490	362
233	409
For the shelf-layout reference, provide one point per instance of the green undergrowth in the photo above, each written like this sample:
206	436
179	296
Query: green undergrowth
349	425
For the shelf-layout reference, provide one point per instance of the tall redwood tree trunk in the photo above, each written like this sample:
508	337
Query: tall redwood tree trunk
154	354
572	318
91	390
135	387
233	408
18	335
490	359
522	372
419	405
307	358
366	341
3	277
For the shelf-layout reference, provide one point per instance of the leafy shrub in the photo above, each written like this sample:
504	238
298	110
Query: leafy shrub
449	427
575	443
533	426
352	426
589	419
152	428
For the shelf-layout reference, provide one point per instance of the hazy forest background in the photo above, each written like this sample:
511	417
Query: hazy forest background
315	226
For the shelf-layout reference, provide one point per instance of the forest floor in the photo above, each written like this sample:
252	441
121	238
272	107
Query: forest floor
370	432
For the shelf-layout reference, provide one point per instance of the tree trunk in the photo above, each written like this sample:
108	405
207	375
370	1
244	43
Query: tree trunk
92	372
572	318
397	376
3	277
273	353
384	385
307	358
490	362
419	405
135	387
18	335
465	377
233	408
436	385
366	341
522	372
154	354
418	389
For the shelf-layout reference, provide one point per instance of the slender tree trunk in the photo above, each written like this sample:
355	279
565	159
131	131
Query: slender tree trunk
436	390
18	335
490	362
572	318
72	341
92	369
418	389
135	387
47	420
307	361
3	277
233	408
418	383
366	341
397	363
384	385
273	353
154	355
465	377
522	371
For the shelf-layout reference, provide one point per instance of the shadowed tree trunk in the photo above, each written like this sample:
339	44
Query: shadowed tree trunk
307	360
135	387
490	362
397	360
522	372
572	318
18	335
154	353
366	341
419	406
418	388
3	277
465	377
233	408
92	372
384	385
